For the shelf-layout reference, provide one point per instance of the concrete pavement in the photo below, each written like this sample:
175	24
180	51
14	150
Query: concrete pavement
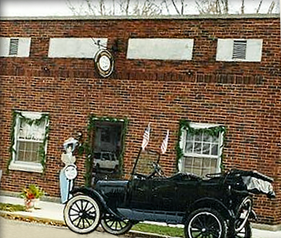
49	210
53	211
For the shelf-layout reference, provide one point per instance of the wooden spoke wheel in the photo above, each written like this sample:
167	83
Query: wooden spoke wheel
114	225
205	222
82	214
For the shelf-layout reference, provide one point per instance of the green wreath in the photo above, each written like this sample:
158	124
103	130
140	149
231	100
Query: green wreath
212	131
87	148
38	121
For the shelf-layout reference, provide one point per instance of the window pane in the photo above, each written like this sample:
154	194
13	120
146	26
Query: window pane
197	166
215	149
21	154
198	137
215	140
207	138
189	137
197	147
28	151
197	162
205	167
105	134
34	156
213	165
188	147
206	149
188	162
21	146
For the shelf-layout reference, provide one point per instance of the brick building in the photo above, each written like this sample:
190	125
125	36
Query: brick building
219	74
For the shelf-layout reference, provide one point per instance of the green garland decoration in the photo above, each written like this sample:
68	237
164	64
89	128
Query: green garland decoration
12	138
212	131
37	122
88	149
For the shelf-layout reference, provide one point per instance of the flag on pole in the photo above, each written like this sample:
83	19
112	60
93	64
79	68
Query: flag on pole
165	143
146	137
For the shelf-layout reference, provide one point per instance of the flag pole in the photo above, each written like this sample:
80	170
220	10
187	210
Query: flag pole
136	162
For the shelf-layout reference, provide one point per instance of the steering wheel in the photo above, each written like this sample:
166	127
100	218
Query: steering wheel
141	176
156	170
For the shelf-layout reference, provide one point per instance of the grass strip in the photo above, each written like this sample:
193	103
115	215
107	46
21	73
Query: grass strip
158	229
12	207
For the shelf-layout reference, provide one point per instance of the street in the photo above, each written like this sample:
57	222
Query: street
20	229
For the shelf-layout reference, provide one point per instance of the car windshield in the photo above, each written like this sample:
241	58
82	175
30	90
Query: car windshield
144	164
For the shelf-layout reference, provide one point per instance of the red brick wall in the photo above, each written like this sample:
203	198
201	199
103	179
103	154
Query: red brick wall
244	97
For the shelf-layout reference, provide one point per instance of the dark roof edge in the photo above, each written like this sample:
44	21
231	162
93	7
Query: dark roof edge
77	18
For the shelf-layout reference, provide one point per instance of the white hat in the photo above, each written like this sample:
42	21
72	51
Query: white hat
70	142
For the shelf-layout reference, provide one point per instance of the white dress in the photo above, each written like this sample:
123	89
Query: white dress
65	184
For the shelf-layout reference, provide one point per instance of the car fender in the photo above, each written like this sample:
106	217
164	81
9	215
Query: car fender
213	203
253	215
95	195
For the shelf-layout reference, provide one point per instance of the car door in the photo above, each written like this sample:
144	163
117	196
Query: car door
140	194
163	194
187	190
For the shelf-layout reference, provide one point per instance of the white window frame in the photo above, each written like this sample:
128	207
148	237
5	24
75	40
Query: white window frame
23	49
253	50
195	155
22	165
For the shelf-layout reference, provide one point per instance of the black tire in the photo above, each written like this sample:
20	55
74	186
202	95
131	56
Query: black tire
205	222
82	214
115	226
246	231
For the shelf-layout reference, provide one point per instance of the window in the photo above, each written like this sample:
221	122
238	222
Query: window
242	50
160	48
201	145
239	49
14	46
29	148
75	47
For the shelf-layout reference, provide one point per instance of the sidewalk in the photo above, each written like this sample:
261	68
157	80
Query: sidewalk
49	210
53	211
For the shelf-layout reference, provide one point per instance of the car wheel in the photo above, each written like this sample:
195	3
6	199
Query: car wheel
205	222
82	214
242	214
114	225
245	232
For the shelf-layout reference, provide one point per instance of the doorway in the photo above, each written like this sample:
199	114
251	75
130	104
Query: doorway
107	148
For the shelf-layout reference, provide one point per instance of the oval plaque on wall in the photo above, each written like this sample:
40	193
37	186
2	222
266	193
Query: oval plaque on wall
104	63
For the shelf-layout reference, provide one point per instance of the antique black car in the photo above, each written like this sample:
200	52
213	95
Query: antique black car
219	205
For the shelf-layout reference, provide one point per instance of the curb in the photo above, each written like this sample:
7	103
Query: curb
29	218
59	223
